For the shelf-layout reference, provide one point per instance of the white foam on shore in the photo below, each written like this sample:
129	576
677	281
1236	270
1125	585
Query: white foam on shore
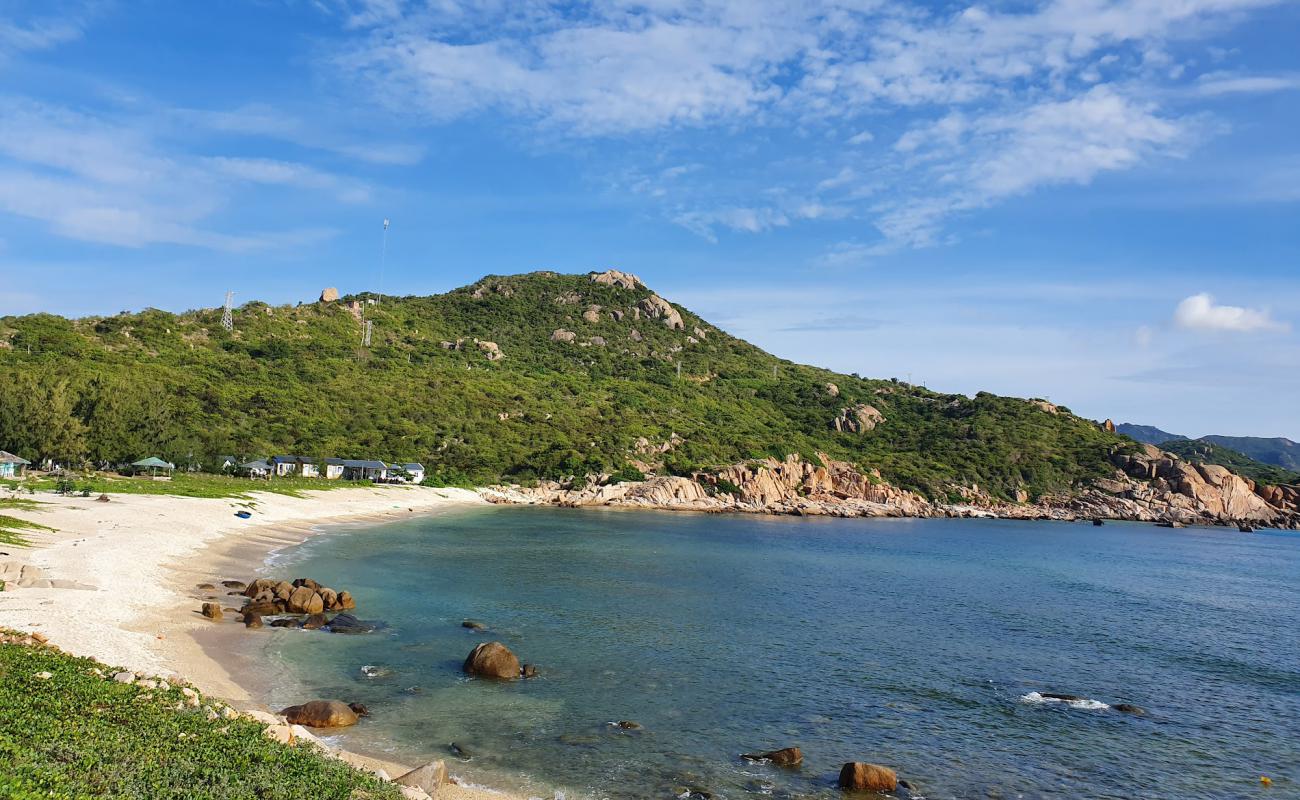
1083	703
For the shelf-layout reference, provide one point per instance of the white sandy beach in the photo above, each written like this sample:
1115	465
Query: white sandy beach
140	558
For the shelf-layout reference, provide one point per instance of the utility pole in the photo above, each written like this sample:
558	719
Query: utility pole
383	256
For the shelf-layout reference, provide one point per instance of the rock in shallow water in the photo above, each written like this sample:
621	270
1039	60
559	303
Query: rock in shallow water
346	623
492	660
321	714
785	757
857	776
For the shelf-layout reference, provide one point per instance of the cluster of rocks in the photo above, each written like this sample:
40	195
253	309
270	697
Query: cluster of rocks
1149	486
491	350
303	603
772	486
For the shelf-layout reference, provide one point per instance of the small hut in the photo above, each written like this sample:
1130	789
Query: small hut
256	469
154	465
11	466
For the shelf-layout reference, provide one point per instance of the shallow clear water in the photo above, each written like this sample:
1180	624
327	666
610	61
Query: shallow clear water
910	643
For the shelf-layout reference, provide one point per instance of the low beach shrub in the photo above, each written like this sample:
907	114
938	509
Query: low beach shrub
67	730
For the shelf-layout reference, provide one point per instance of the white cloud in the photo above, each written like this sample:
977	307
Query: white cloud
100	179
1045	93
1216	84
1199	312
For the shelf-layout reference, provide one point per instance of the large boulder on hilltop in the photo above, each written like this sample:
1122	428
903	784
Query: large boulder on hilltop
656	307
321	714
329	295
492	660
613	277
856	776
857	419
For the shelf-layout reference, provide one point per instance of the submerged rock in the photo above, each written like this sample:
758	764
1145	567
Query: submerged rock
346	623
314	622
785	757
1129	708
492	660
286	622
473	625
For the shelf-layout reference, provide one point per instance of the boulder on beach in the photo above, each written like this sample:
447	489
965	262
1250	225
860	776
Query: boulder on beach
857	776
252	620
239	586
492	660
429	777
314	622
321	714
286	622
785	757
212	610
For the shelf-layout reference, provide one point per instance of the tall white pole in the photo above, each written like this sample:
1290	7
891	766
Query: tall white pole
383	256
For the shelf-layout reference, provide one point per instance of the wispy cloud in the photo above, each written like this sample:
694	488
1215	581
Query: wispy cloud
1008	101
102	179
1200	312
1216	84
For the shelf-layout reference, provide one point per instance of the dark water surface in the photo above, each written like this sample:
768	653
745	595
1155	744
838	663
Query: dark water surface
916	644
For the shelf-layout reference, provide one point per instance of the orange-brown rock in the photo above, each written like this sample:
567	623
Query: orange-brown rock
492	660
857	776
321	714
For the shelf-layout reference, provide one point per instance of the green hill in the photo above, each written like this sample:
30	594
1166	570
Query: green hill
1207	452
296	379
1277	451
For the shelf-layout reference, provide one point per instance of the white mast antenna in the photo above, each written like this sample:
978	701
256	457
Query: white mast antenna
383	256
227	314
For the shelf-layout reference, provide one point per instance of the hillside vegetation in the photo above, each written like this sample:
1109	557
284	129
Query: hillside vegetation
430	388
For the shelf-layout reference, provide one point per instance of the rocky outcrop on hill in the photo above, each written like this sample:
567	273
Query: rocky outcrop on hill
656	307
857	419
1149	486
613	277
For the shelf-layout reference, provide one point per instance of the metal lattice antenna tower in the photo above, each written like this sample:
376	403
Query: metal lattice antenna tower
227	313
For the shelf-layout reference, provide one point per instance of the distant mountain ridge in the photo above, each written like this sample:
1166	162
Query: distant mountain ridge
1147	434
1275	451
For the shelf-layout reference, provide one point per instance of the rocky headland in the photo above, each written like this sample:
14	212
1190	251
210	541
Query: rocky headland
1147	485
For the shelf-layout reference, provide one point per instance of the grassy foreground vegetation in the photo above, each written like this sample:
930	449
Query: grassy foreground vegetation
295	379
75	734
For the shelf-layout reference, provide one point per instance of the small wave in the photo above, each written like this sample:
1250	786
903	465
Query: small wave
1081	703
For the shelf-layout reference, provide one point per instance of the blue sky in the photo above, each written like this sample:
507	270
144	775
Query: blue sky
1097	201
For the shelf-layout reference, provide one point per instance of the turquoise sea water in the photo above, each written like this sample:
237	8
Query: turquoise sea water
916	644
